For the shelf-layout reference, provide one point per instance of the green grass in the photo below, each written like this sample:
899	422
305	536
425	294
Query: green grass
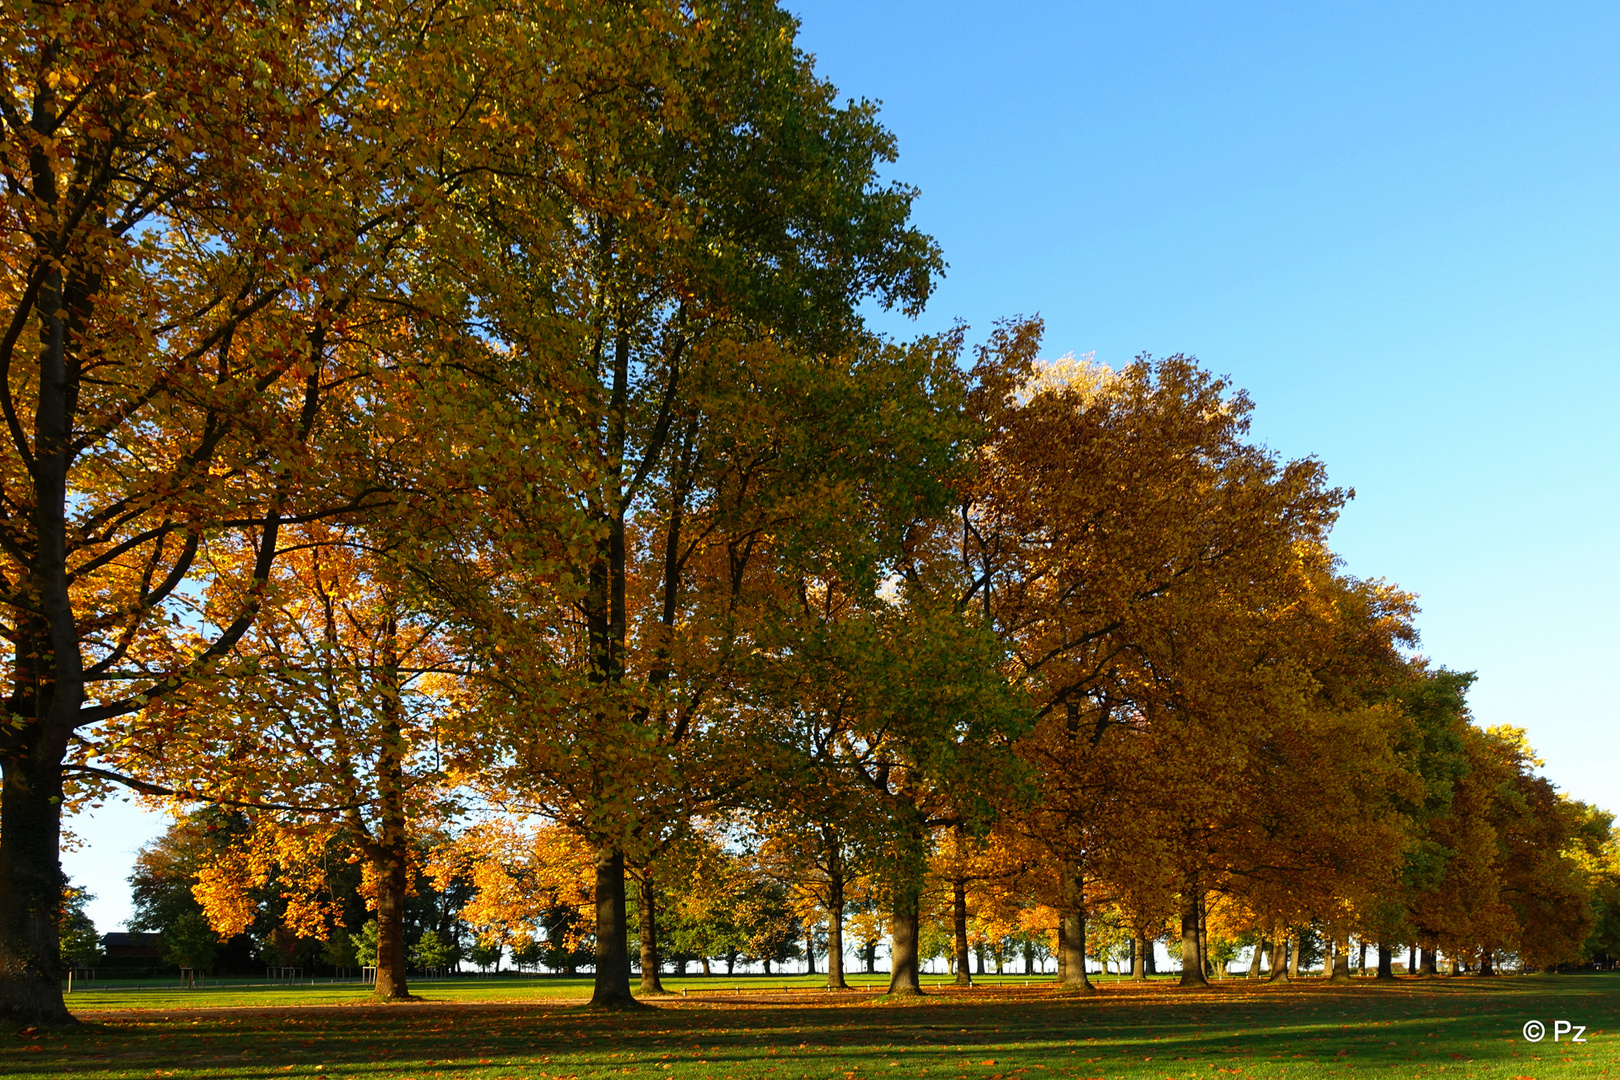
1437	1028
230	993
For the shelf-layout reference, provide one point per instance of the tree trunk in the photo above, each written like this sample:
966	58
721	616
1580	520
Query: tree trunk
1140	948
706	970
809	952
1152	958
1072	938
1426	965
31	888
1204	963
903	956
959	925
1361	964
1293	956
1341	961
1192	963
648	928
978	960
835	934
1255	960
390	849
48	669
389	867
1386	963
1279	955
1487	963
612	989
1062	951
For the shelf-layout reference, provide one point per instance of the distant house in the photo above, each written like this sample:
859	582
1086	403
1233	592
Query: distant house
132	946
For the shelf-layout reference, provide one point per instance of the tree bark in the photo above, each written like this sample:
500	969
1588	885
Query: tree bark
1341	961
391	890
1386	963
648	929
612	989
1140	947
1072	938
809	952
903	956
31	887
1192	962
1255	960
389	847
1487	963
1279	955
835	933
1204	963
959	926
1426	964
1293	956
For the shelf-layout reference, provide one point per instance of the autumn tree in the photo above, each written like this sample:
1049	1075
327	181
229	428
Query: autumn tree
197	196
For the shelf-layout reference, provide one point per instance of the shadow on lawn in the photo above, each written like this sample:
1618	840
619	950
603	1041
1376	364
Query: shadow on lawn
1368	1026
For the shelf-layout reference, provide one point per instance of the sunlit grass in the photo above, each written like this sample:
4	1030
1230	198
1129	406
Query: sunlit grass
1441	1028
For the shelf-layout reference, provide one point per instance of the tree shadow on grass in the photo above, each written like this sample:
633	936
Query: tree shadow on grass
1129	1031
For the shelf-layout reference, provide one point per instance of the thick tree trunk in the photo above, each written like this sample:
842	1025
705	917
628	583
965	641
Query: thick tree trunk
1386	962
809	952
1341	961
1487	963
835	934
1257	958
1062	951
1192	963
612	989
1426	964
48	674
391	889
1293	956
1072	939
1361	964
648	928
1279	955
706	970
978	960
903	956
31	888
1140	949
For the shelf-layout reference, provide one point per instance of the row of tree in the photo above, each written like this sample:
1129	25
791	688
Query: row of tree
444	436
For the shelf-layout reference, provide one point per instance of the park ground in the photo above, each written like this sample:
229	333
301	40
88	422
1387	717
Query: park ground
538	1029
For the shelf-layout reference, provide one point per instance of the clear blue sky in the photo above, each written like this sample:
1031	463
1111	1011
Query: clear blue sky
1397	225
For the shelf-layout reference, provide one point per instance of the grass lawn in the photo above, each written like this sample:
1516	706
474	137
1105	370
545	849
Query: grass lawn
495	1029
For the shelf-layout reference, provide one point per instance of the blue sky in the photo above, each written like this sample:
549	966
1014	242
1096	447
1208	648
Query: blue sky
1397	225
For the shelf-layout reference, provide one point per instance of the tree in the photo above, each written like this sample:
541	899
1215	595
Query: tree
79	944
190	942
723	295
196	200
